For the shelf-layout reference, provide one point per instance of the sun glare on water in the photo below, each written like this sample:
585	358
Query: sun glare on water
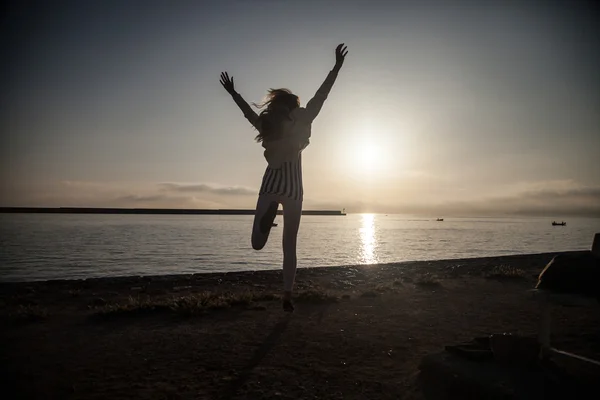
368	239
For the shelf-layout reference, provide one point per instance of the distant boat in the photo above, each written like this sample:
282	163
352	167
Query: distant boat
274	224
563	223
440	219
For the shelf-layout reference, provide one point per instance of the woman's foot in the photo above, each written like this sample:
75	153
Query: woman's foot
288	306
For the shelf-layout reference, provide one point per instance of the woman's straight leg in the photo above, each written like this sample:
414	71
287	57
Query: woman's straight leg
292	212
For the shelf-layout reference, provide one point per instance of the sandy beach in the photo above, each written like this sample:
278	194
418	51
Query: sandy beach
358	332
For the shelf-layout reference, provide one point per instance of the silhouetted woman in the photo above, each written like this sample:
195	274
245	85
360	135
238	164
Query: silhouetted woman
284	128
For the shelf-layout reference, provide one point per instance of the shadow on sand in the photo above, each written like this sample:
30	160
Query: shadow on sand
260	353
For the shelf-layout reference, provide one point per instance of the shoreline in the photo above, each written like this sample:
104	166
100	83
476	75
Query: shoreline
210	275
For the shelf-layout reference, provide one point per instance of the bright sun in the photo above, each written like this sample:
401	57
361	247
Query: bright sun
374	151
368	153
368	157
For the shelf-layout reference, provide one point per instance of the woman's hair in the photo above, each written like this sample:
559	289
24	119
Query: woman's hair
278	103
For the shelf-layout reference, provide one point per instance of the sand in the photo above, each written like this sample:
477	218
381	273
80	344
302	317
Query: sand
358	332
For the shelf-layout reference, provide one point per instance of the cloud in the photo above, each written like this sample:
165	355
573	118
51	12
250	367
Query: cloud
84	184
419	174
208	188
179	195
161	201
554	199
540	200
123	195
142	198
577	194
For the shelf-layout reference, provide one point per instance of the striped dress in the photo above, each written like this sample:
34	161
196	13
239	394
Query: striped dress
284	181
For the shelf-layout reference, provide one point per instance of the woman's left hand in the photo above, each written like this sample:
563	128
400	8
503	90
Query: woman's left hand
340	54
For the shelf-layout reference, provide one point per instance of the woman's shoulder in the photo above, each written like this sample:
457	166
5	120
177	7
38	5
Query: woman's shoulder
298	113
299	110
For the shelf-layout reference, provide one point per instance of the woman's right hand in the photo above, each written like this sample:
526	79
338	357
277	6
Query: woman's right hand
227	83
340	54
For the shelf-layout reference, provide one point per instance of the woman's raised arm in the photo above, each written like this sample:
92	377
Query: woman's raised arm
249	113
313	107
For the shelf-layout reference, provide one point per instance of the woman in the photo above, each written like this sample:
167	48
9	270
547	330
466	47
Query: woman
284	129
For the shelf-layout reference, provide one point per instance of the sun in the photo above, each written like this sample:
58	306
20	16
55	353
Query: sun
368	152
368	157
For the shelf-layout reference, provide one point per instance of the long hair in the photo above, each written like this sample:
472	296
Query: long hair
278	103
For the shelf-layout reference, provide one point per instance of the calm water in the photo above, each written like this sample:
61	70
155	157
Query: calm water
51	246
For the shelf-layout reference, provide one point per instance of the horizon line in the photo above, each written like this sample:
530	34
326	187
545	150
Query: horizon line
66	209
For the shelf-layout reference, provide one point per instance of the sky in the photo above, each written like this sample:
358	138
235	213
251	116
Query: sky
457	108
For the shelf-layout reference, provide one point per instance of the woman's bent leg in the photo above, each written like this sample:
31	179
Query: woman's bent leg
266	211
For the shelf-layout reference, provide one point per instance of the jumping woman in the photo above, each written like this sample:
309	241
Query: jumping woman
284	129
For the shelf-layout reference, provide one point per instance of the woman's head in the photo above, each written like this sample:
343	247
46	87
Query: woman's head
276	107
277	98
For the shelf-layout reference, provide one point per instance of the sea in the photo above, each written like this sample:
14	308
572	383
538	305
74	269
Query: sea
78	246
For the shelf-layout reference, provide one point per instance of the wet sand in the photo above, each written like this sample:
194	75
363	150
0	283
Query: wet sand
358	332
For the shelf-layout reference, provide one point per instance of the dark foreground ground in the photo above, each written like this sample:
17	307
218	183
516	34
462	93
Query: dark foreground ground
357	332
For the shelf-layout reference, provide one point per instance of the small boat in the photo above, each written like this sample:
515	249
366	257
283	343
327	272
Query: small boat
563	223
440	219
274	224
